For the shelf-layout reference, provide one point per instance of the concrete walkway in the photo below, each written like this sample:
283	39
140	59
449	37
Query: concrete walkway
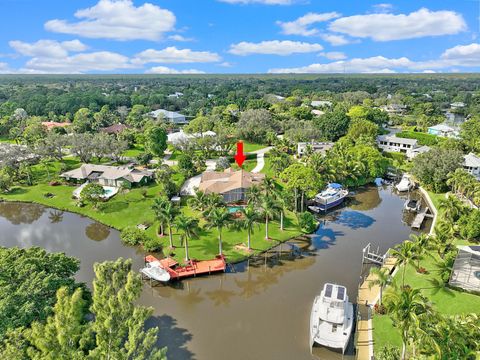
367	298
260	158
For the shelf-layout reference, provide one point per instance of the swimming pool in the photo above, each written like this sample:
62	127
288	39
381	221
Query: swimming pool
234	209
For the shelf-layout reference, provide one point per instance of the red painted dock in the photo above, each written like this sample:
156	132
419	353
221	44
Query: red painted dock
193	268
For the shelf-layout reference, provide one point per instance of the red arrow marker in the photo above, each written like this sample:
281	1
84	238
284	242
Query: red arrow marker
240	156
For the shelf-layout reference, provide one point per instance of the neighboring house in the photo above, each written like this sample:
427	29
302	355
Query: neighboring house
232	185
471	164
443	130
53	124
109	175
318	112
171	116
418	150
114	129
394	108
321	103
457	105
396	144
181	137
175	95
317	147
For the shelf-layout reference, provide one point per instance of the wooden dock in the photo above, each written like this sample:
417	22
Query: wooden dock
420	218
367	298
192	268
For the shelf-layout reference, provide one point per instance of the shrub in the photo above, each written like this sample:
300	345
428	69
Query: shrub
132	236
380	309
307	222
423	138
152	244
422	270
388	353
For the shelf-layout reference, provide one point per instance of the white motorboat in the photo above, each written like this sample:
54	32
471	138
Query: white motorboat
331	320
332	196
405	184
412	205
155	271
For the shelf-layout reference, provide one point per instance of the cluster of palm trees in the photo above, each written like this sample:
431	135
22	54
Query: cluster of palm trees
264	202
465	185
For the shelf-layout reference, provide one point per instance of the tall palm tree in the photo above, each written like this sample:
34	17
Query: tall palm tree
219	218
158	208
270	209
405	253
250	218
269	186
254	195
170	212
452	208
188	227
421	243
199	201
383	278
406	307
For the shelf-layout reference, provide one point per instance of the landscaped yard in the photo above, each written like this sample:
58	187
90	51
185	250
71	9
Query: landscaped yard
137	150
444	300
249	147
132	208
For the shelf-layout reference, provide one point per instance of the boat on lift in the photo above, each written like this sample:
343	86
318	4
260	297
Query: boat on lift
155	270
406	184
412	205
332	196
331	320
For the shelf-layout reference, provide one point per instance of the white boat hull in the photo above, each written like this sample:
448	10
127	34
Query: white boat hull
156	273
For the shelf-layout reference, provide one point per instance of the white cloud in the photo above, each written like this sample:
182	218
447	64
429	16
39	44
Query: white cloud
172	55
178	37
273	47
377	64
264	2
226	64
333	55
79	63
335	40
167	70
382	8
466	55
301	26
4	68
118	20
47	48
386	27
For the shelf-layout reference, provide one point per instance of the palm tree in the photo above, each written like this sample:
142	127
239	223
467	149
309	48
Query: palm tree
250	218
421	242
270	209
170	212
406	307
452	208
405	253
219	218
269	186
254	195
199	201
383	278
158	208
188	227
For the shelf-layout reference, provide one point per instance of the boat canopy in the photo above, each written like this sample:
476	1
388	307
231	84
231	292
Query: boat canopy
335	186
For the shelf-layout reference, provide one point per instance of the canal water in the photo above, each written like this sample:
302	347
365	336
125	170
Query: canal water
262	310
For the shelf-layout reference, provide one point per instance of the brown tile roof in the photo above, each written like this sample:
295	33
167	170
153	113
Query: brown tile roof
223	182
114	129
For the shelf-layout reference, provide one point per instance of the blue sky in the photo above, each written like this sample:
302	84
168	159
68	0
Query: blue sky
239	36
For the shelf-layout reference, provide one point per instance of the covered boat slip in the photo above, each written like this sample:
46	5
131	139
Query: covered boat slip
193	268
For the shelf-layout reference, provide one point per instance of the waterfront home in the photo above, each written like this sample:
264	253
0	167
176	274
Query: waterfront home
170	116
321	103
417	150
49	125
109	175
114	129
471	164
180	137
232	185
316	147
457	105
466	268
443	130
396	144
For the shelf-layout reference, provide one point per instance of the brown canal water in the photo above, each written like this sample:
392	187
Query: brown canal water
259	312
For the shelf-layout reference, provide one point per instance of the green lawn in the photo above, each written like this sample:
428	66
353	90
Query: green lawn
137	150
249	147
132	208
444	300
4	138
436	198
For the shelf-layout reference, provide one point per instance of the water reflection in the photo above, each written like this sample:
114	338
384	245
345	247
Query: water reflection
21	213
260	311
55	216
97	232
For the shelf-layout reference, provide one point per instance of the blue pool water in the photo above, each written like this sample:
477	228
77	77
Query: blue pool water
234	209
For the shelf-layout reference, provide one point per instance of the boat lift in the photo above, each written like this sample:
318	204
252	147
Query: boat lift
373	256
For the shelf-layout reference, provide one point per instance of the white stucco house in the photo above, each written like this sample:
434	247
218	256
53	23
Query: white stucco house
471	164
